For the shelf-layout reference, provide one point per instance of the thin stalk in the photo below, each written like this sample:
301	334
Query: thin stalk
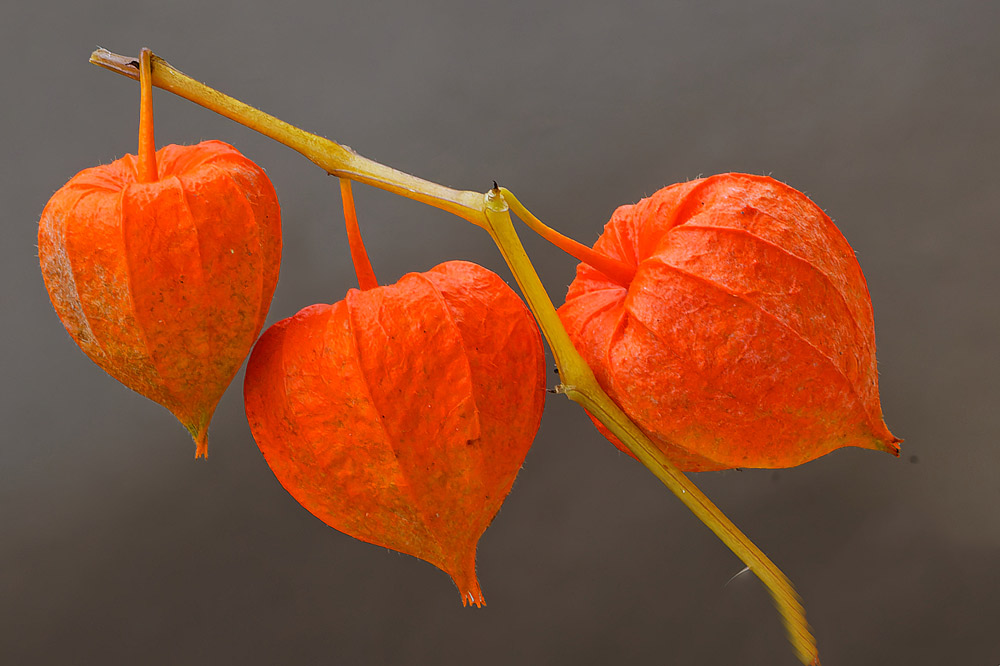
616	270
491	212
334	158
146	154
362	264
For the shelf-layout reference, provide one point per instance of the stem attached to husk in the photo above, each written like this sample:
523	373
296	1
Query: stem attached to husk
362	264
335	159
146	154
491	212
580	385
614	269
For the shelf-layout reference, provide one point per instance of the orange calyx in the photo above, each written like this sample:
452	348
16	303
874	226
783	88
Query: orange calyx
164	291
402	414
746	338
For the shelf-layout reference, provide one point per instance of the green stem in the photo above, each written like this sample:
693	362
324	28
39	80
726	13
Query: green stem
580	386
491	212
335	159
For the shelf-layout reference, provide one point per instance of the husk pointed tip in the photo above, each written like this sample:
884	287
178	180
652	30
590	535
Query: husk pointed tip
885	441
890	446
201	442
464	577
473	595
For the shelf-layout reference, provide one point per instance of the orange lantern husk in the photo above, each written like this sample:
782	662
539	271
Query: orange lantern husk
402	414
162	268
745	337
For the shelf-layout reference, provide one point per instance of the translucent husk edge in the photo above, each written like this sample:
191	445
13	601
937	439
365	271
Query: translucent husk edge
491	211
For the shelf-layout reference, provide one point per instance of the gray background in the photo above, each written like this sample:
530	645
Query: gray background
119	548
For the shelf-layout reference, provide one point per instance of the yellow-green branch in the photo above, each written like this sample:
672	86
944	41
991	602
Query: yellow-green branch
580	386
491	212
334	158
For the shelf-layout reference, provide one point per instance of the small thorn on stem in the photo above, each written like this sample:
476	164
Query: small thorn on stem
737	575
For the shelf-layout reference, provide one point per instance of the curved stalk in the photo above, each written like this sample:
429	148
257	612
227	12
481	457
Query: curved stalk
359	255
492	212
616	270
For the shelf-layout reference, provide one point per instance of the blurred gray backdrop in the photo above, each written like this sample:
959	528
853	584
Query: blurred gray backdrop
119	548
